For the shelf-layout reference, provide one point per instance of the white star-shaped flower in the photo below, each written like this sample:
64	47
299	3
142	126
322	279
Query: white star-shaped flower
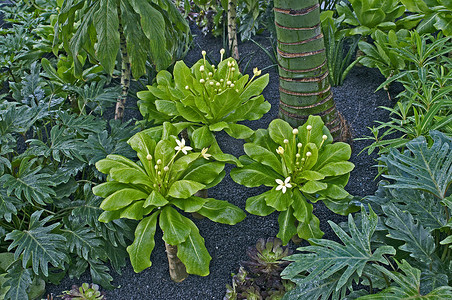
283	185
205	154
181	146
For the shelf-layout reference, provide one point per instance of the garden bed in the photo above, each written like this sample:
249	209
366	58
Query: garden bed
226	244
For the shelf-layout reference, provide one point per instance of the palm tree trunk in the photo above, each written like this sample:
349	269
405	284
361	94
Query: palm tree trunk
125	72
303	70
232	29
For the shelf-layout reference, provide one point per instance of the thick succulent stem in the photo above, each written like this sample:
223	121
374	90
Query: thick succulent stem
125	73
303	69
232	28
176	268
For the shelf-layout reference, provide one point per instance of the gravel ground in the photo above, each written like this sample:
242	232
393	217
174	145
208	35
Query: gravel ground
227	245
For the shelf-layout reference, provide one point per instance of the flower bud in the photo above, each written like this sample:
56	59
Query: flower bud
159	161
297	155
156	167
228	82
286	141
159	173
308	154
232	85
299	145
256	72
324	137
218	84
201	80
295	131
203	52
221	80
210	74
232	69
166	169
148	157
211	82
201	68
280	150
309	127
187	87
222	51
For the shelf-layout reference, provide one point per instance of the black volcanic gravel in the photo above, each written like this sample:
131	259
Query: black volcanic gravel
227	245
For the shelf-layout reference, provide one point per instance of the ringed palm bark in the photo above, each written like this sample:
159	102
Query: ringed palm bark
303	70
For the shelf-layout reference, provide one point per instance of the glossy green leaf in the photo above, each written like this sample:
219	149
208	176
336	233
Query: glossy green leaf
193	253
256	205
221	212
310	229
239	131
337	168
192	204
184	188
155	199
254	175
287	228
279	200
312	187
175	227
263	156
279	131
122	198
141	248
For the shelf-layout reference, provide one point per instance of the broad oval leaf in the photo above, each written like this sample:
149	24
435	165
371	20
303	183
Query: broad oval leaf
141	248
184	188
122	198
175	227
222	212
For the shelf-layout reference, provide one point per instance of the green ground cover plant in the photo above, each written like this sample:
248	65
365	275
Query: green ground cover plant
166	177
301	166
403	246
208	99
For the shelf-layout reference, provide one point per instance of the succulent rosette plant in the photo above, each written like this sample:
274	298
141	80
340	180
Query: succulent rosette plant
157	188
302	166
211	98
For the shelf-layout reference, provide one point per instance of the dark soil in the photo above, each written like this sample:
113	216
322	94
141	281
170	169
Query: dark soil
227	245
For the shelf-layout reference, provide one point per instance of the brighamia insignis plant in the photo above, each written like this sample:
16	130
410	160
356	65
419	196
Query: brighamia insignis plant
302	166
211	98
167	175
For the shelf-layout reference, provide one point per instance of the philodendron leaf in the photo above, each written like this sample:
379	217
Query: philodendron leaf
141	248
328	258
38	244
407	285
184	188
19	280
222	212
422	167
175	227
193	252
418	240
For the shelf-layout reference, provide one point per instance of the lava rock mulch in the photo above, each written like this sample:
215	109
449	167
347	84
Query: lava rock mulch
226	244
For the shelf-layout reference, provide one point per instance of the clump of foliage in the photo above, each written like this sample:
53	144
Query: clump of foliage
301	166
84	292
166	177
424	105
48	214
403	246
207	98
259	278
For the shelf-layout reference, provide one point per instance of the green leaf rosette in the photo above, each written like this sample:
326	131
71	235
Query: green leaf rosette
302	166
156	189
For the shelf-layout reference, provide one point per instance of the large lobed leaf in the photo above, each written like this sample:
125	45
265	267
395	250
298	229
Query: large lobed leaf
328	258
422	167
407	286
38	244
